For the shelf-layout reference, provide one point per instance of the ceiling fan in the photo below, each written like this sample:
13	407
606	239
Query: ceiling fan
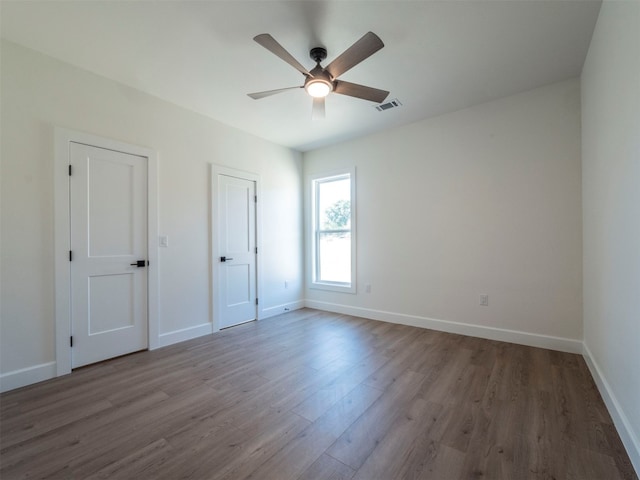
321	81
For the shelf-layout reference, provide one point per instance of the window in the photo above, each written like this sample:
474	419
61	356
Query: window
333	231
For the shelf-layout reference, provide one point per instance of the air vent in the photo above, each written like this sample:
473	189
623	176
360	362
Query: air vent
386	106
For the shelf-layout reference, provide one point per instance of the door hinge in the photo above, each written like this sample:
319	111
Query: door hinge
70	256
256	301
255	198
69	170
256	250
71	341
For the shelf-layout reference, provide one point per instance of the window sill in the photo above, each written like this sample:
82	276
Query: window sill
332	287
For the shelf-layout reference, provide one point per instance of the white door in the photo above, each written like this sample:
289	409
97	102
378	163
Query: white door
237	246
108	196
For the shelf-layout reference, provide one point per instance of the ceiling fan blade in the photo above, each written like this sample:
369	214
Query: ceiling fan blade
317	112
360	91
268	93
270	43
369	44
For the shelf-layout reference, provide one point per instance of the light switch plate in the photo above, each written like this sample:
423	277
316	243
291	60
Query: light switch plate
164	241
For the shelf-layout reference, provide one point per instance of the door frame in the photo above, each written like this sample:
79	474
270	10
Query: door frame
214	269
62	237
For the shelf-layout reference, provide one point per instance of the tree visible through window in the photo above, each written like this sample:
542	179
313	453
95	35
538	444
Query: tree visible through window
339	214
333	231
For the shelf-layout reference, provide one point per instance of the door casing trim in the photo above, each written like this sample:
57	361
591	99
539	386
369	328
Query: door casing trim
213	237
62	238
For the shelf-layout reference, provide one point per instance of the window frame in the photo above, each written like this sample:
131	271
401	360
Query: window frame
314	232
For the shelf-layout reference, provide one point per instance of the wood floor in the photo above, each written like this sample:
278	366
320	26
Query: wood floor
313	395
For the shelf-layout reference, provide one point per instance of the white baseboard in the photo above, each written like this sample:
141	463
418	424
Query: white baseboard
169	338
27	376
279	309
492	333
625	430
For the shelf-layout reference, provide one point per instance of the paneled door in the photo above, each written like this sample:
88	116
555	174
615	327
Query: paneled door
108	198
237	246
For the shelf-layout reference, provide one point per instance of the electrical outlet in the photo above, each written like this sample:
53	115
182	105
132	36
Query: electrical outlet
484	300
367	288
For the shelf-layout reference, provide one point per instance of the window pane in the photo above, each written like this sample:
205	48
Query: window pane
334	204
334	259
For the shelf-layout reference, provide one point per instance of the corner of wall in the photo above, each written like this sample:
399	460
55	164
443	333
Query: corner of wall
629	439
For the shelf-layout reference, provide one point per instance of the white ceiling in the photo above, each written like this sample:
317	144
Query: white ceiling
439	56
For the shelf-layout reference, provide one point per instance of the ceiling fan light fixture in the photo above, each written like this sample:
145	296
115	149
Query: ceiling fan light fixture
318	87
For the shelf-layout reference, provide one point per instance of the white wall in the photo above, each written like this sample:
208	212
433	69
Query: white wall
40	93
486	200
611	201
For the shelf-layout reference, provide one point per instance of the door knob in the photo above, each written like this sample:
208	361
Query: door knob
139	263
224	259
